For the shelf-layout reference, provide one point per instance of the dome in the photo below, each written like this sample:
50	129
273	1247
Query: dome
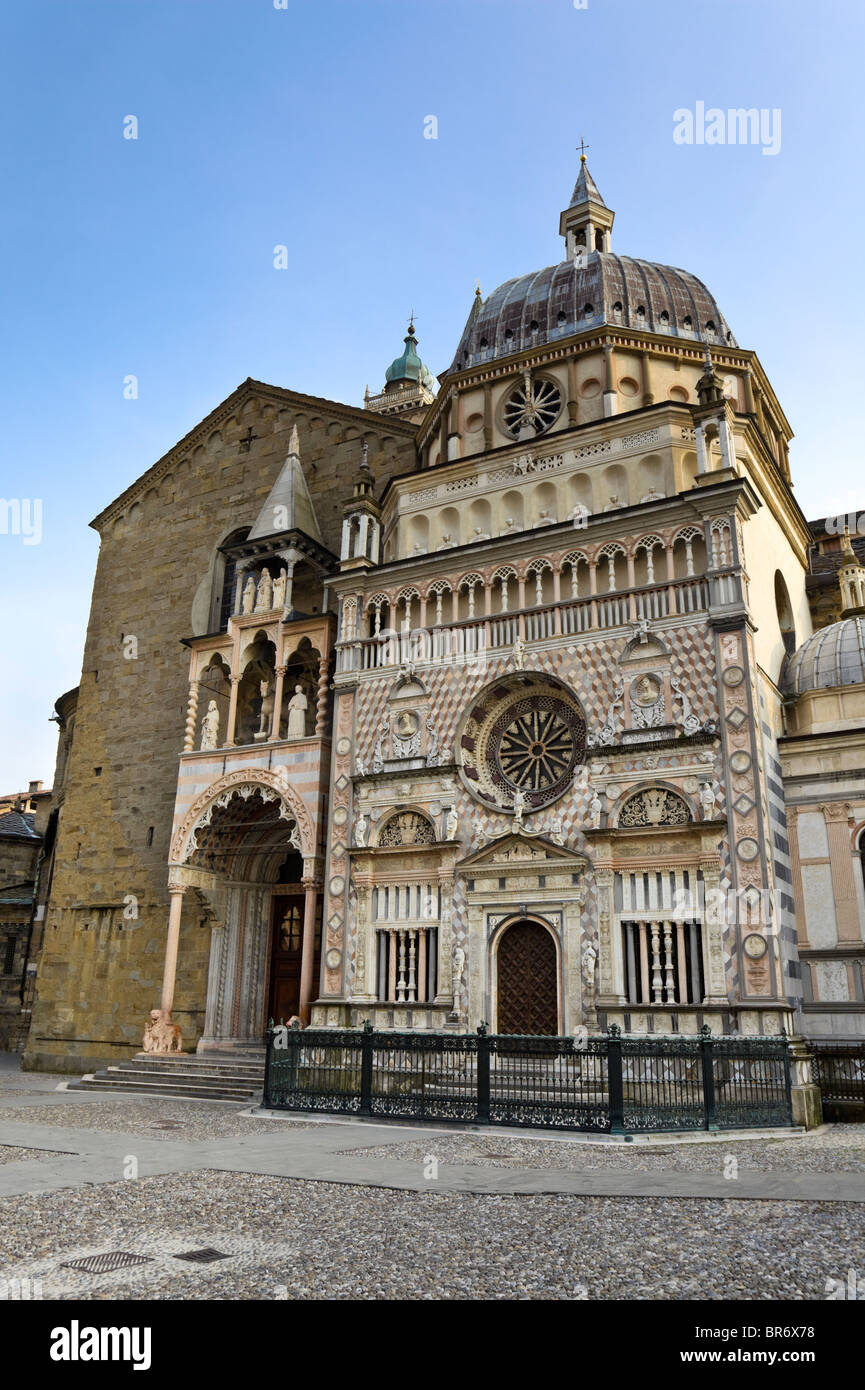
576	295
832	657
409	367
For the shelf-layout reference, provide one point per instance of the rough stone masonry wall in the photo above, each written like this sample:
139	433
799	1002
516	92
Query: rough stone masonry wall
100	972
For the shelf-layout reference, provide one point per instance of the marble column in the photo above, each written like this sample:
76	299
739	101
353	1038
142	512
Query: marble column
307	954
169	971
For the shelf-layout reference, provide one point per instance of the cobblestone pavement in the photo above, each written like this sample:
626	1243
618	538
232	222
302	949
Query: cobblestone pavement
10	1153
838	1149
288	1239
154	1116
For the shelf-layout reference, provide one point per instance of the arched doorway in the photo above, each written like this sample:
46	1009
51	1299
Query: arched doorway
527	980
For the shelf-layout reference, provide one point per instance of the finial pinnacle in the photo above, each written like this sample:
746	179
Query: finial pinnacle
582	147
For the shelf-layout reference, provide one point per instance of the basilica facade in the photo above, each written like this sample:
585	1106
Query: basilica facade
473	704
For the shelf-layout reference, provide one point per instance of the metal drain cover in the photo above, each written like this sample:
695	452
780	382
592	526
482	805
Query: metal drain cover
202	1257
111	1259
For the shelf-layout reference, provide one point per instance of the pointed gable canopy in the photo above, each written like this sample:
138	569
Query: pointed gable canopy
289	505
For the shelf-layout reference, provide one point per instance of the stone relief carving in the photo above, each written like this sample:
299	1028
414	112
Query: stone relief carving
654	806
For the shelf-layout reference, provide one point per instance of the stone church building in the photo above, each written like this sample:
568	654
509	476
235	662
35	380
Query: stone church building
495	699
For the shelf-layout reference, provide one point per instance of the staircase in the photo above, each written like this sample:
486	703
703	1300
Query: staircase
237	1076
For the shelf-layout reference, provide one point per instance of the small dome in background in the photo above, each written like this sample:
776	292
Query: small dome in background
834	656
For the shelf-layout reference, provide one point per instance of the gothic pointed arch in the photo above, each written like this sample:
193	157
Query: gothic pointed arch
271	785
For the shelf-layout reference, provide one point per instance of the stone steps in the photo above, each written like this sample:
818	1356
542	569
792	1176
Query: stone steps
184	1077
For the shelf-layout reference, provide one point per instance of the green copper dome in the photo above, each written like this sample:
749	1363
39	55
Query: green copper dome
409	366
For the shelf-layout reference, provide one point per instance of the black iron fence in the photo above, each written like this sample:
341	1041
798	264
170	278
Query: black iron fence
839	1071
609	1084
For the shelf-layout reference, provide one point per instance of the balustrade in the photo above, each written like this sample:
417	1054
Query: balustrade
470	637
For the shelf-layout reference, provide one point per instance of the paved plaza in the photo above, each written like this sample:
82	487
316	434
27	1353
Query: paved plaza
299	1207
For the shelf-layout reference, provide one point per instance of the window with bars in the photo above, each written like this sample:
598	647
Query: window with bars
9	955
663	962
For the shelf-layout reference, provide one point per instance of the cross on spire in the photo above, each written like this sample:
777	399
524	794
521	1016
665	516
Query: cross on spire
582	147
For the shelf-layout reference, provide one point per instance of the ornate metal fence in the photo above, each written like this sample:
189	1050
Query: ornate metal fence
839	1071
608	1084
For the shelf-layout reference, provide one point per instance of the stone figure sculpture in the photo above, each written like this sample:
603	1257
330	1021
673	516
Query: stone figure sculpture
264	593
459	965
519	809
297	707
518	652
160	1034
279	589
360	831
595	808
210	727
249	595
452	824
707	800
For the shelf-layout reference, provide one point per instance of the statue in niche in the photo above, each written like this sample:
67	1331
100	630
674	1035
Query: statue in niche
595	808
448	541
580	516
264	593
359	768
613	503
479	534
279	589
297	707
545	518
519	808
249	595
510	527
210	727
267	700
379	750
707	800
418	549
360	831
452	823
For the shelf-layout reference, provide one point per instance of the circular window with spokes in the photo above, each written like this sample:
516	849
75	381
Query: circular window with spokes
532	407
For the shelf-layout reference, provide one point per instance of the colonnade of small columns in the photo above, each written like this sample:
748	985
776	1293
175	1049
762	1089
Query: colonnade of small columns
539	582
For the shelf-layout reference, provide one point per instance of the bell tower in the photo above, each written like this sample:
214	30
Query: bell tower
587	222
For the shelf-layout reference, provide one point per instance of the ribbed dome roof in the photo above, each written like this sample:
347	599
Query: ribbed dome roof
572	297
834	656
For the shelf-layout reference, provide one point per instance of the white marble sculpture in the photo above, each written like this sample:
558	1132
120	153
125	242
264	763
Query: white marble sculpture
279	589
518	653
595	808
452	824
249	595
210	727
557	830
297	707
707	800
519	809
360	831
459	965
264	593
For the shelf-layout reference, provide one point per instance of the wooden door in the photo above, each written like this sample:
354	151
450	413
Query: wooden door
527	977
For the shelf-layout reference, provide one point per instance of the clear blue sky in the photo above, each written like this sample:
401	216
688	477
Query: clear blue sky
304	127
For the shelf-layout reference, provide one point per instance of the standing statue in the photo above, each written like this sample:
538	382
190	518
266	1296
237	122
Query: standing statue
264	593
360	831
210	727
359	768
279	589
707	800
432	746
297	707
519	809
518	653
249	595
459	965
595	808
452	823
590	956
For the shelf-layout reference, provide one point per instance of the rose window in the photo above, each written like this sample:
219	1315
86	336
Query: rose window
524	738
532	407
